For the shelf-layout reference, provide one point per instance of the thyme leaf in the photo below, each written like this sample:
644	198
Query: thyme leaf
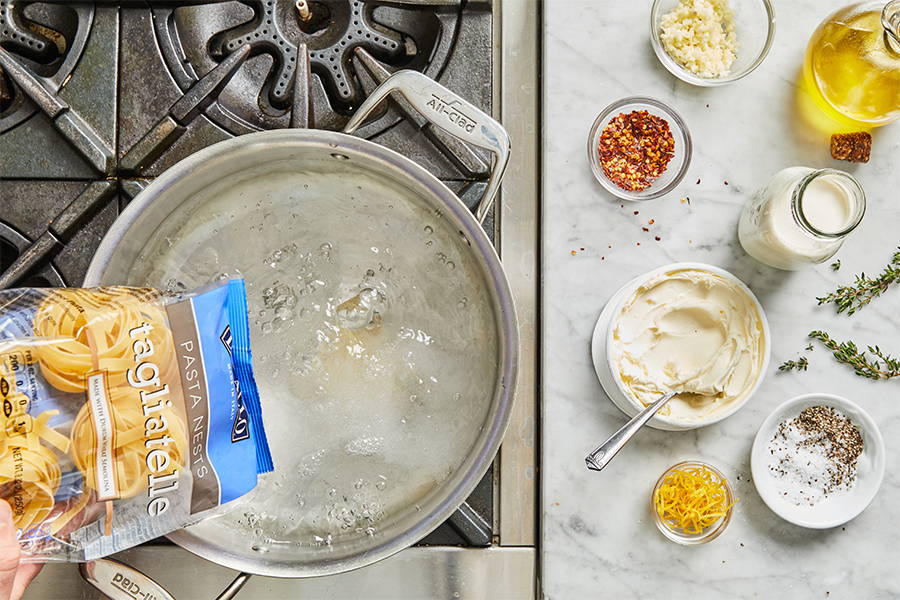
851	298
800	364
872	363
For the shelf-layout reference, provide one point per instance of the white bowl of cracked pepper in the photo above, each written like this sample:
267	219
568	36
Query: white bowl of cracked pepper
639	148
818	460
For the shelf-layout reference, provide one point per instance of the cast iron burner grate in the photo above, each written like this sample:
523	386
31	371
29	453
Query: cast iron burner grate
332	34
49	39
12	244
194	39
20	39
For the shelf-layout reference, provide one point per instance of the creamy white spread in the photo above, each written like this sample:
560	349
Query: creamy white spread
693	332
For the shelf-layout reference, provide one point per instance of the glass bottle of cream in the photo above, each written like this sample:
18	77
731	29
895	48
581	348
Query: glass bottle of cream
801	217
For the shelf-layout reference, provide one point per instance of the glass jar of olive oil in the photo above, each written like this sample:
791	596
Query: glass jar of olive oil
852	64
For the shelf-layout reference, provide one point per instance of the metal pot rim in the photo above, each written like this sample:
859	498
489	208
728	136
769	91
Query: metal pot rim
487	444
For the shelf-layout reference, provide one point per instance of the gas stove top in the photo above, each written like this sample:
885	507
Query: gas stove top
97	99
118	93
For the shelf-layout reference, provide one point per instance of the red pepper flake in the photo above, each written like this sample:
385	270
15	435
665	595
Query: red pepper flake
602	258
651	221
582	249
638	243
726	183
657	238
635	149
573	253
698	181
645	229
610	246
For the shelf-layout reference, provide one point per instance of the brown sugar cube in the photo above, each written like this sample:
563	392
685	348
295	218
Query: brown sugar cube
855	147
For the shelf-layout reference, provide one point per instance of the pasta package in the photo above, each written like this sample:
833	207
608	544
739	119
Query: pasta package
127	413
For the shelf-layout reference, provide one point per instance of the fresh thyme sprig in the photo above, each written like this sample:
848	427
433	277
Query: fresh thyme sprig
851	298
882	366
801	364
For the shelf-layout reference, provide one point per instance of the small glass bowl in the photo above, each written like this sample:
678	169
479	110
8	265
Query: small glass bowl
708	534
754	22
676	168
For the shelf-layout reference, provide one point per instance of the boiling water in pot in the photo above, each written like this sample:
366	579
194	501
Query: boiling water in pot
374	343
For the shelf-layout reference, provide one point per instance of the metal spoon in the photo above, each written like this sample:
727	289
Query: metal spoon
604	453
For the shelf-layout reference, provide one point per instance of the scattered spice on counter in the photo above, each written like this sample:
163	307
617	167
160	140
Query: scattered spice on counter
726	182
691	498
635	149
637	212
852	147
698	181
835	265
657	238
645	229
651	221
686	200
814	455
700	35
573	252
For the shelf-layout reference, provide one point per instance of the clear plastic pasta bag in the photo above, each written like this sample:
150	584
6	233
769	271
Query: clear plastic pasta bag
127	413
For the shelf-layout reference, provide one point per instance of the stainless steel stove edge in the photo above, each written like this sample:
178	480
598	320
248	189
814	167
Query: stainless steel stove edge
419	573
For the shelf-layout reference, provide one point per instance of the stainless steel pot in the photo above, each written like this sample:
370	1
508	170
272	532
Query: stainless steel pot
341	159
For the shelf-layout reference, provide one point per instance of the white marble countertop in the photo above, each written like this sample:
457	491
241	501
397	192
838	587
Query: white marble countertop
598	538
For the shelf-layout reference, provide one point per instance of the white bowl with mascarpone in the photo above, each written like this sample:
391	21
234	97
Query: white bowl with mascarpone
689	327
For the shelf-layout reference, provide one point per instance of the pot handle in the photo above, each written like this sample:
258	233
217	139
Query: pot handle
121	582
118	581
451	113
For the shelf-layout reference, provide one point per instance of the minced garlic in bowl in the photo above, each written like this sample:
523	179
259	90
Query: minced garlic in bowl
700	35
711	42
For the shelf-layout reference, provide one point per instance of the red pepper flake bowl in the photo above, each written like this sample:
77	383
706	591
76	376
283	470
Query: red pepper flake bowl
675	169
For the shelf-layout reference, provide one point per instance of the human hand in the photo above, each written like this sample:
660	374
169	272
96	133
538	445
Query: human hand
14	576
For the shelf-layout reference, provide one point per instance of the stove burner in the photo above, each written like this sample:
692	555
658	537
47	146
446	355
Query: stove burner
48	39
331	34
195	38
30	42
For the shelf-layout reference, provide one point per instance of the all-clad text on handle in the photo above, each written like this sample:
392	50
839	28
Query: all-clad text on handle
121	582
451	113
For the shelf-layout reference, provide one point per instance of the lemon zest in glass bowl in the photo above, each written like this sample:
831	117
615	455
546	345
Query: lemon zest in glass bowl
691	499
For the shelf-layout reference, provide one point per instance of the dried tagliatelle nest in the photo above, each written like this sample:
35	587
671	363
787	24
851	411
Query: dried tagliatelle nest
126	413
